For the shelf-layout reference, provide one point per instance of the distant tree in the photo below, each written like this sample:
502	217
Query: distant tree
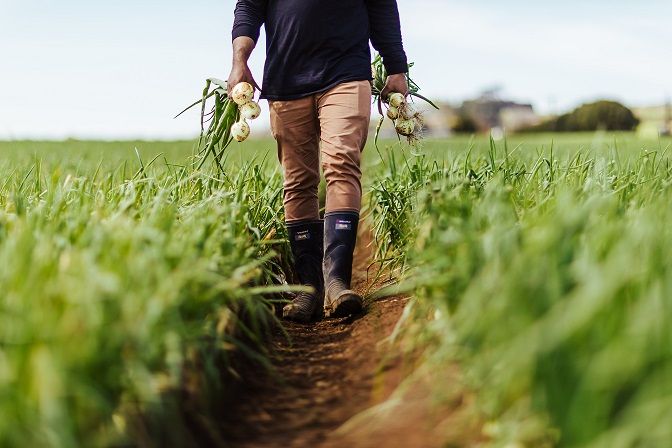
601	115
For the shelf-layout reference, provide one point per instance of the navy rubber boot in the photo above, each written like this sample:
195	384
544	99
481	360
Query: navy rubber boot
306	240
340	237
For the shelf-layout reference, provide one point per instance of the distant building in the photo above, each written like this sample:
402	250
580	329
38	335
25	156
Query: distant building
489	111
518	117
438	123
655	120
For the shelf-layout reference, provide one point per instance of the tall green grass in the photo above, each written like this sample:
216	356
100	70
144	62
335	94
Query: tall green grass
546	276
129	281
124	292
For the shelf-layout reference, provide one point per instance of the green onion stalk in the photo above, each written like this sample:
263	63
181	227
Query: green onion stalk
216	124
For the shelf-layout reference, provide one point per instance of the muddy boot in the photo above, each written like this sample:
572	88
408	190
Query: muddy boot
306	240
340	232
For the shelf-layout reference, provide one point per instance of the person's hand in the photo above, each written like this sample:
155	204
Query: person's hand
240	73
395	84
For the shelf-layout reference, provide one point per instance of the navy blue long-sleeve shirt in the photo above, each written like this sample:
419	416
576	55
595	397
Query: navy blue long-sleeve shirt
313	45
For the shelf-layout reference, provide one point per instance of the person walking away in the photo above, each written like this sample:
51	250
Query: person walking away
317	80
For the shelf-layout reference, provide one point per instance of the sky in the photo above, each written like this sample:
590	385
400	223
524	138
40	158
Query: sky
122	69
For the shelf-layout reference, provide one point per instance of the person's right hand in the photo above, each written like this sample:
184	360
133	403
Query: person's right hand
240	73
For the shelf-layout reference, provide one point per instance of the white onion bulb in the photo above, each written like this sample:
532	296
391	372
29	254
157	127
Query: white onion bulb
405	127
396	99
250	110
407	112
240	131
392	113
242	93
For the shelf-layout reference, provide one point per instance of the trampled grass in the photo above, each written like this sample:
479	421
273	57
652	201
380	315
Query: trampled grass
539	265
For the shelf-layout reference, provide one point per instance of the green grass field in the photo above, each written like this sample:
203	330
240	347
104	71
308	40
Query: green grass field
539	264
127	284
546	276
74	153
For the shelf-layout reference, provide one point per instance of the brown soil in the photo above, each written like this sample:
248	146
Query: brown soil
333	382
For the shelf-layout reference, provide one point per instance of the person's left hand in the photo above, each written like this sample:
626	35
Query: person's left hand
395	84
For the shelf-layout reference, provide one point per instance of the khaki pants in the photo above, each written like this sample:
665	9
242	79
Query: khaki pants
335	123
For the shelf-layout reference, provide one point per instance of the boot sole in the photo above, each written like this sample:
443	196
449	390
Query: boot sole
346	304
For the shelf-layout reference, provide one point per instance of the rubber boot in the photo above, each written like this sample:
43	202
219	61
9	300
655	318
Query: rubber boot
340	237
306	240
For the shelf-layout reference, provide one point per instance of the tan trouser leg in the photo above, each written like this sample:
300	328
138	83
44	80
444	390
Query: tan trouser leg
344	113
338	121
295	128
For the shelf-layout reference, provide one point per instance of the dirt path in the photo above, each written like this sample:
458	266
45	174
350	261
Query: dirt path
328	373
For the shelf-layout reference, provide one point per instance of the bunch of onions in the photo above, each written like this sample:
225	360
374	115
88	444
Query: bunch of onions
407	121
227	120
243	95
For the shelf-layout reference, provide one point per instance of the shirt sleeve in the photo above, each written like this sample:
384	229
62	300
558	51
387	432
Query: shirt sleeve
249	16
386	34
